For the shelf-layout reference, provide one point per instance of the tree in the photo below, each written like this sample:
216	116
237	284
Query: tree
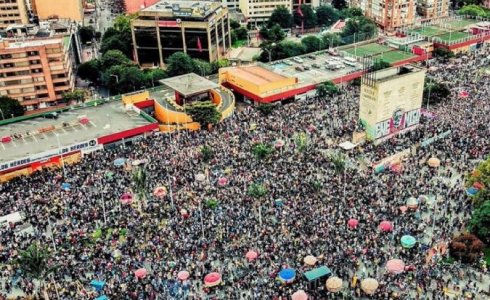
35	263
202	67
473	10
234	24
114	58
301	141
275	34
87	33
308	19
257	190
9	107
154	75
466	248
327	89
352	12
338	160
179	63
339	4
281	16
139	180
261	151
327	15
480	221
380	64
118	37
89	70
481	176
443	53
331	40
361	26
311	43
203	112
434	91
207	153
287	49
75	95
123	79
218	64
241	33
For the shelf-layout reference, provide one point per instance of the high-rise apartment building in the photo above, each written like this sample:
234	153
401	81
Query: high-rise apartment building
61	9
36	71
13	12
390	14
259	11
432	9
199	28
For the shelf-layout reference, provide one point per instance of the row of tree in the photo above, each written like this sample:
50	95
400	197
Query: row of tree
475	11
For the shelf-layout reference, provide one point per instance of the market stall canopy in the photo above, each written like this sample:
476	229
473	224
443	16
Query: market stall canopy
317	273
183	275
369	285
310	260
212	279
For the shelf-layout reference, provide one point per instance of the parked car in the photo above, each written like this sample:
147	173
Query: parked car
51	115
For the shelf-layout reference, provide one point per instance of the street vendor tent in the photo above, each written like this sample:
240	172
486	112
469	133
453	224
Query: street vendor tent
316	275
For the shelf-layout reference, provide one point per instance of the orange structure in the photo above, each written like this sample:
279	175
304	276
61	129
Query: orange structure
133	6
36	72
59	9
390	14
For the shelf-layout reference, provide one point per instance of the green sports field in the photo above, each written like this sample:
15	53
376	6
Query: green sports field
429	31
394	56
453	36
367	50
461	24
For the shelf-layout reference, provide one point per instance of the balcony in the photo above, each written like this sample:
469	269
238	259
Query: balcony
62	88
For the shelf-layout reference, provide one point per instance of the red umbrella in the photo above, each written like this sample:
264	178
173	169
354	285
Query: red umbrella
212	279
141	273
251	255
183	275
386	226
352	223
126	198
478	185
160	191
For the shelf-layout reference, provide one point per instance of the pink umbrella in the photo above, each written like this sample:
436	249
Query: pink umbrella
299	295
212	279
352	223
222	181
279	144
126	198
311	128
160	191
386	226
395	266
403	208
183	275
141	273
251	255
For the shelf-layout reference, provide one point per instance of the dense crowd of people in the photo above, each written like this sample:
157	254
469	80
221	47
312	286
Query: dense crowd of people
181	232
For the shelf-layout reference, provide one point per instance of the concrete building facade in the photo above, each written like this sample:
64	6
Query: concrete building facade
199	28
433	9
36	72
13	12
61	9
390	101
390	14
259	11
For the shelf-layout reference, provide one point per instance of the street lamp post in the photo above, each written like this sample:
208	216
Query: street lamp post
1	112
269	51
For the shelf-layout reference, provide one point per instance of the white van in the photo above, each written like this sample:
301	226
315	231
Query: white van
350	59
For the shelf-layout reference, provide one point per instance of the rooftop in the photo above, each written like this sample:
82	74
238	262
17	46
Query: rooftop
390	73
258	75
189	84
36	42
183	8
104	119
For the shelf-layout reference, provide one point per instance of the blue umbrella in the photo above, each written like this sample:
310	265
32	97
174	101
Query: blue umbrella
118	162
97	285
66	186
103	297
287	275
471	191
279	202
